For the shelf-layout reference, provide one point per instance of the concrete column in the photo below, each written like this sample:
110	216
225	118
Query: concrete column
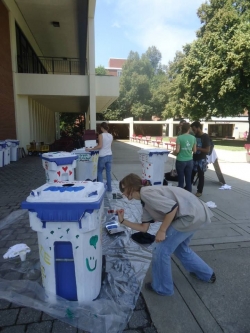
87	123
91	61
170	129
23	120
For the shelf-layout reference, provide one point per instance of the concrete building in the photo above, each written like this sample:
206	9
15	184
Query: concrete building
47	67
115	66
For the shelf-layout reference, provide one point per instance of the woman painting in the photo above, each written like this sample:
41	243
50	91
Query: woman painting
185	147
105	140
181	214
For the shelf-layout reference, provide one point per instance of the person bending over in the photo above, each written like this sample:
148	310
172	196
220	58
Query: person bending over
181	214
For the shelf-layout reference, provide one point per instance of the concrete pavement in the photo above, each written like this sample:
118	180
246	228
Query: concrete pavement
196	306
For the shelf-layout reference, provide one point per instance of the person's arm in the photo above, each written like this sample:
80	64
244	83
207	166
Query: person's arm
99	146
194	148
203	150
168	219
135	226
177	149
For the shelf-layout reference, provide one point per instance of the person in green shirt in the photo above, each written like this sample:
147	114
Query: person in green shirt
183	121
185	147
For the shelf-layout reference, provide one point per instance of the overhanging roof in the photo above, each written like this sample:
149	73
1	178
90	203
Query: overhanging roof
70	39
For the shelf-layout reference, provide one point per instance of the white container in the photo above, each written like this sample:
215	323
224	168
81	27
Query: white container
6	152
59	166
14	144
153	164
67	218
86	164
2	150
90	143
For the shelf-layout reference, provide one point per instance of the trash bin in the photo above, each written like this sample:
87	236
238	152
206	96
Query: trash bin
86	164
2	151
67	217
153	163
14	144
59	166
6	152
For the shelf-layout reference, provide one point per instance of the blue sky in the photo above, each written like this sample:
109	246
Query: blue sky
125	25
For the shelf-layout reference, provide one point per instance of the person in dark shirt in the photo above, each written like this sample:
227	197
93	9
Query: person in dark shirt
200	157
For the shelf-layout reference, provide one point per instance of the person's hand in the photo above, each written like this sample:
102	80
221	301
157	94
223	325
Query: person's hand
87	149
160	236
120	213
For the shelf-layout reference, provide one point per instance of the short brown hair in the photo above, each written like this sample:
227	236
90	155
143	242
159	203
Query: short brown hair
105	126
185	127
131	183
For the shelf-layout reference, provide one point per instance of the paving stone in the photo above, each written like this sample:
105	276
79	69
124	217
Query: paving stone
8	317
14	329
44	327
140	304
28	315
46	317
131	331
149	330
12	276
59	327
139	318
4	304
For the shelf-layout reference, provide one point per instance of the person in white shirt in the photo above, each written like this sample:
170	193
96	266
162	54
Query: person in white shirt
105	140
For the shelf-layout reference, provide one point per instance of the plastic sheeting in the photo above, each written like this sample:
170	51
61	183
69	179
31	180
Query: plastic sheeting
126	265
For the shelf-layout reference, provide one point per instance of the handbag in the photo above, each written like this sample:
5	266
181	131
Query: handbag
172	175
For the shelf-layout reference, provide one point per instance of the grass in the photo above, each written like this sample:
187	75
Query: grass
232	145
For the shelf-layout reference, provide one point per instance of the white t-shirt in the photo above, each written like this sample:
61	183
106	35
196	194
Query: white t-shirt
107	139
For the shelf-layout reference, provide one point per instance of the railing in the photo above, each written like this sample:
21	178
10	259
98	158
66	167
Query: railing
50	65
61	65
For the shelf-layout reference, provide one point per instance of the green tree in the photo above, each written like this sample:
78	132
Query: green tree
217	68
100	70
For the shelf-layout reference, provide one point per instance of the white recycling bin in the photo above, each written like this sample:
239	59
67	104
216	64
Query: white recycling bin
86	164
6	152
67	217
2	151
153	164
59	166
14	144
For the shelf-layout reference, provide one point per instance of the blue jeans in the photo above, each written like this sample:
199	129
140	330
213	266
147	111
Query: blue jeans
184	169
105	163
176	242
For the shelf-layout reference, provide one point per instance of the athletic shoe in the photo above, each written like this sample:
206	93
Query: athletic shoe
212	279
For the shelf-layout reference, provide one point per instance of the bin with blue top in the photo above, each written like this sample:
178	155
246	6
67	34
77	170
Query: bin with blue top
67	218
153	164
86	164
59	166
13	144
2	153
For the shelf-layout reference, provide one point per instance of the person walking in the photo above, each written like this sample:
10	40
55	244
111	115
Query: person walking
200	156
185	147
105	140
181	214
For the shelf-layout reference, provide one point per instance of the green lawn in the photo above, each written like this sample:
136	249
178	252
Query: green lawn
233	145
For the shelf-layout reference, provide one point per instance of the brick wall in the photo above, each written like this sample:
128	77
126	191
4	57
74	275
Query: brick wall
7	108
116	63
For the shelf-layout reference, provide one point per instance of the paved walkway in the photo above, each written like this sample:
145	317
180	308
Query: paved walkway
195	307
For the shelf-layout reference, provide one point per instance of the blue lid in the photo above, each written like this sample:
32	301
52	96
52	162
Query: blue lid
59	158
61	211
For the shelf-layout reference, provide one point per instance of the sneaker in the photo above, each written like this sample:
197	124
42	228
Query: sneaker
212	279
198	194
148	286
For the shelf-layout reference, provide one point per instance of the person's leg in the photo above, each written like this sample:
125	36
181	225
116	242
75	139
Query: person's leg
162	282
108	172
180	167
188	175
201	180
192	262
100	168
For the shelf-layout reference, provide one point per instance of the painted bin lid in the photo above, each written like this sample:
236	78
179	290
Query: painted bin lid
60	157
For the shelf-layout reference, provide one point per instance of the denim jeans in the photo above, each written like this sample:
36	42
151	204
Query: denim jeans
105	163
184	169
201	179
176	242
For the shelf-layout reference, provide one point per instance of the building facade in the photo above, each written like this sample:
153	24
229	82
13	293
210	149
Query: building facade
47	67
115	66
